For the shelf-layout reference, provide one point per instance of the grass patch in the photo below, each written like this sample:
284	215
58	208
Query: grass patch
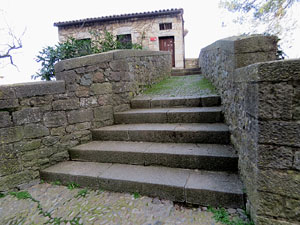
136	195
56	182
21	195
221	215
82	193
182	86
2	195
72	185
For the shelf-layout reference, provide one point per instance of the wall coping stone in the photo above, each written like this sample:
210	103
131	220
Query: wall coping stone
31	89
88	60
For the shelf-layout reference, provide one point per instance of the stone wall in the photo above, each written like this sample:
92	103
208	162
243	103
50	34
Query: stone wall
262	108
39	121
141	30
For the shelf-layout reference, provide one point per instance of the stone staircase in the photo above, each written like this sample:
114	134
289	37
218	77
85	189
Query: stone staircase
186	72
172	148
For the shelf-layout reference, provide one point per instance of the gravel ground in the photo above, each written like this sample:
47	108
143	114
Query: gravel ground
97	207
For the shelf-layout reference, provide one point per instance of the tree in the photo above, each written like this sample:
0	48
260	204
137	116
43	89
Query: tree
266	16
10	42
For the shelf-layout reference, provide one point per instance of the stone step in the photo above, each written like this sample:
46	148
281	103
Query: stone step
182	185
211	133
185	72
170	115
181	155
166	102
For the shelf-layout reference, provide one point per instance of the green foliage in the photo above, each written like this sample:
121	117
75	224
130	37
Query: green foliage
66	50
267	12
221	215
261	10
136	195
72	185
2	195
82	193
101	42
56	182
21	195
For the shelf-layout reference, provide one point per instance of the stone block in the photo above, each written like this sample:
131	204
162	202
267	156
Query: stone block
274	205
7	151
66	104
25	146
79	116
82	91
280	133
11	134
70	77
255	43
275	101
83	61
101	88
88	102
103	113
5	119
77	127
39	88
272	181
27	115
297	160
55	119
10	166
50	140
6	92
105	100
9	103
35	130
274	156
58	131
86	79
119	65
98	77
270	221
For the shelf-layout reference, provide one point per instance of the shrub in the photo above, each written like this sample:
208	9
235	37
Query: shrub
101	42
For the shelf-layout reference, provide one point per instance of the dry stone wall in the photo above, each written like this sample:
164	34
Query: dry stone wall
40	121
261	104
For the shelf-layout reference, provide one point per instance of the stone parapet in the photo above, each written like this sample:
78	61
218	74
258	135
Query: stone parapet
261	103
40	121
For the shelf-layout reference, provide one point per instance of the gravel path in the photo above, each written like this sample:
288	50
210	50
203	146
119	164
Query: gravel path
97	207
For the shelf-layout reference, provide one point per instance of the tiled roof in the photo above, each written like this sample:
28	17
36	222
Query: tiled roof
119	17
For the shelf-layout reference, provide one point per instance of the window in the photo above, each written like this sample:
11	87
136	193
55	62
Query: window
165	26
125	41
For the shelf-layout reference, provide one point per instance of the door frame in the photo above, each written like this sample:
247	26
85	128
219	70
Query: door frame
168	37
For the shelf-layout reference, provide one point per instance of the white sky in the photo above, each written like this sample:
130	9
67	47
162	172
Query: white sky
203	19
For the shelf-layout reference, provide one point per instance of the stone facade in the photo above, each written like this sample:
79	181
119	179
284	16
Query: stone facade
143	27
39	121
261	104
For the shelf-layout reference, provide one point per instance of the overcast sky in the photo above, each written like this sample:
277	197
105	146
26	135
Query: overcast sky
203	20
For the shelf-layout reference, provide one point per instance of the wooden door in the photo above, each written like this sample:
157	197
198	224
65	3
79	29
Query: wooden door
167	44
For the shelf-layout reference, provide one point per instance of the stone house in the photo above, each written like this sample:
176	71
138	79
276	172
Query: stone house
156	30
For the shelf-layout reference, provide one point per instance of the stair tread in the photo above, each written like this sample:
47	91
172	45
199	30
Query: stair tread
172	110
214	150
184	178
167	127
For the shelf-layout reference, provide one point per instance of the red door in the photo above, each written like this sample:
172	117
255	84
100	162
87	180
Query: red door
167	44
